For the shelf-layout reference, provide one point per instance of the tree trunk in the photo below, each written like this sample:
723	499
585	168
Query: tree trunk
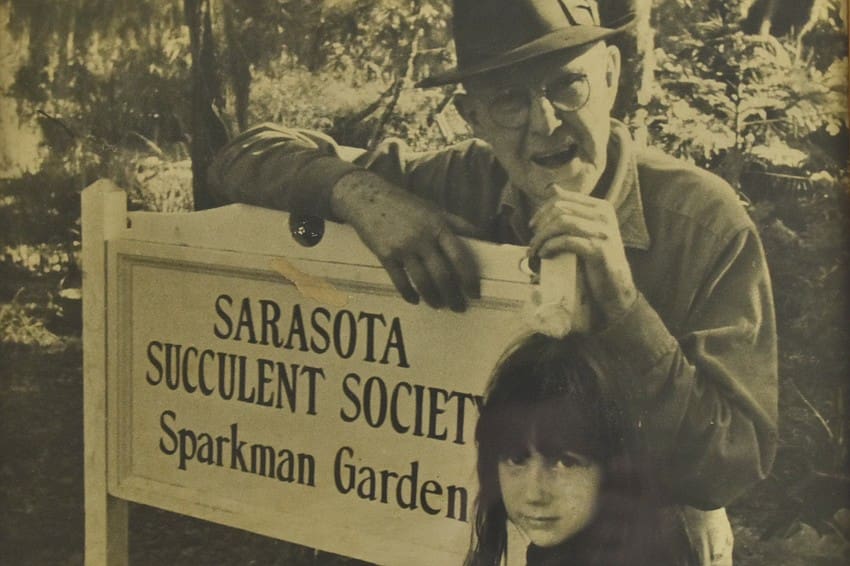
208	133
238	68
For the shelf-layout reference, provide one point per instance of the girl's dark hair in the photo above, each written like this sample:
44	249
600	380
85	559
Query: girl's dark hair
545	394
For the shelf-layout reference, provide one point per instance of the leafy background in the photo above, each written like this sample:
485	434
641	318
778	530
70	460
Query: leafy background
142	91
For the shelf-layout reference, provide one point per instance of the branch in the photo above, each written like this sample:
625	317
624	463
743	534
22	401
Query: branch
447	98
766	121
95	144
61	124
814	411
783	176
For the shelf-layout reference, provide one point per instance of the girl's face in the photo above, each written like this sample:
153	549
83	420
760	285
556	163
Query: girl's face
549	499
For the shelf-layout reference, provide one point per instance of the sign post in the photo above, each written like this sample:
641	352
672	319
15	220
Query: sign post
103	212
235	375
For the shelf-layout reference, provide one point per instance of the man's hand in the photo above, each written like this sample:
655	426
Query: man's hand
414	241
587	226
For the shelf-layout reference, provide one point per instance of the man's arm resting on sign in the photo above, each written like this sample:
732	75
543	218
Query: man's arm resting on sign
301	171
704	407
414	240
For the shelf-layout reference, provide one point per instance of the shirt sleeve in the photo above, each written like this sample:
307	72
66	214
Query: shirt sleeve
295	170
277	167
703	406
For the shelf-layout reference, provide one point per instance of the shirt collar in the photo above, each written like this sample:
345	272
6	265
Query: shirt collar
624	189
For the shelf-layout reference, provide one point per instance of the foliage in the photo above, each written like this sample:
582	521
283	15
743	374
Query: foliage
159	184
96	80
355	78
18	326
39	208
307	100
805	236
104	68
735	103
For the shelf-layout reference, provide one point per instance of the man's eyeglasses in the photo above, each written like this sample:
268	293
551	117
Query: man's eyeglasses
510	108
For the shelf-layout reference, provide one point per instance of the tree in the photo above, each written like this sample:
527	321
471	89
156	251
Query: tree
736	103
208	132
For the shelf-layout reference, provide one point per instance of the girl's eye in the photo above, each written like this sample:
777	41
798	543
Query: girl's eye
572	460
517	459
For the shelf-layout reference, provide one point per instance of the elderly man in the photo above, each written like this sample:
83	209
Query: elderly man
673	265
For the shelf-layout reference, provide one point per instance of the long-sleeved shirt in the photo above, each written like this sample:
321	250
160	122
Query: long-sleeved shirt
694	360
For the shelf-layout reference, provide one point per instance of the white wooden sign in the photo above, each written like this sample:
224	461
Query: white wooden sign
237	376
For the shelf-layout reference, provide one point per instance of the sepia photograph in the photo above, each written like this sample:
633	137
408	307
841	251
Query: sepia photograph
424	282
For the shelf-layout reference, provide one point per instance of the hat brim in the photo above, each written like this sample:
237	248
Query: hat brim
558	40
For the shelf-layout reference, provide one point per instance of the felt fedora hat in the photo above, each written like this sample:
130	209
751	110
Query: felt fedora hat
493	34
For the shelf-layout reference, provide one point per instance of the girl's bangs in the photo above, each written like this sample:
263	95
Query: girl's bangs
552	427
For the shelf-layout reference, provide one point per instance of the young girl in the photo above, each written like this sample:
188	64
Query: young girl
553	459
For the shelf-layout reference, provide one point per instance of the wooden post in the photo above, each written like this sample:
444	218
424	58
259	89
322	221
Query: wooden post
104	214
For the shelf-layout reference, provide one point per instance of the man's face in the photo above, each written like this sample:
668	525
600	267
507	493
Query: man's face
549	143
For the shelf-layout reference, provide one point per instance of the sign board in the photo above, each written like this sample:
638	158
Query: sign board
237	376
